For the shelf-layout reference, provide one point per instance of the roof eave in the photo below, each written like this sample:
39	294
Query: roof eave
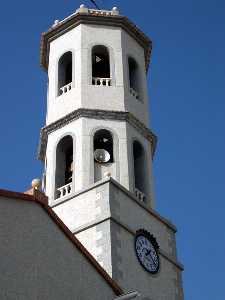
84	18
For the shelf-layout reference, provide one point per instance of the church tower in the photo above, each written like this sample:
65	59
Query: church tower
97	149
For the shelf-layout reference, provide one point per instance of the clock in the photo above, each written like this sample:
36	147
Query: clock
146	248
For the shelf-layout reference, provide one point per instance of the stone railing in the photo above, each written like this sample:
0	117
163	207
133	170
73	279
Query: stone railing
134	93
85	10
140	196
64	190
102	12
65	88
101	81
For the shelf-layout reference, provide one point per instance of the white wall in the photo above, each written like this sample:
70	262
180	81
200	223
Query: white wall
80	41
64	104
139	108
82	131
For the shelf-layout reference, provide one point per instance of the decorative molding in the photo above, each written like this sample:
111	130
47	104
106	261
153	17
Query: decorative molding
85	18
131	196
95	114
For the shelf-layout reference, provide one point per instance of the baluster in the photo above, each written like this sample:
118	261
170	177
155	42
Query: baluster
101	81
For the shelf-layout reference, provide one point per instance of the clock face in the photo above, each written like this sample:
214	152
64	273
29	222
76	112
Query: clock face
147	253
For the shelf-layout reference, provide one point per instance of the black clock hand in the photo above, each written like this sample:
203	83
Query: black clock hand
147	254
153	260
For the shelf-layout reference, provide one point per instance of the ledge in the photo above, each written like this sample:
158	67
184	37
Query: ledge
124	190
56	202
149	210
95	114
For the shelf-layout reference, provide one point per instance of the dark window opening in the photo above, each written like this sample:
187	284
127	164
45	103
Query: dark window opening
64	71
139	166
133	74
100	62
64	162
69	165
103	140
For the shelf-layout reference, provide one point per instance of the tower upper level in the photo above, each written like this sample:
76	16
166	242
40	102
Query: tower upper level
97	62
96	59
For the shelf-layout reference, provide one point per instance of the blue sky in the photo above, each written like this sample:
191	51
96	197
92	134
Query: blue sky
187	102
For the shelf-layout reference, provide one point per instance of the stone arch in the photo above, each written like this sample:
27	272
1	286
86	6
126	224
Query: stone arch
64	72
111	57
64	165
103	139
112	166
139	170
134	77
100	61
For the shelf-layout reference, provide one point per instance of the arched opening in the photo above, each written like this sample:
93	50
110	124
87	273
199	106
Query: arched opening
100	66
133	77
103	140
139	170
64	167
65	73
103	153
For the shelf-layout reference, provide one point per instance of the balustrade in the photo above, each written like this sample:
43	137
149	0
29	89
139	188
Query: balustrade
65	88
64	190
134	93
103	12
140	196
101	81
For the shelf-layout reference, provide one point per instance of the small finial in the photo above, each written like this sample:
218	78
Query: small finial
115	11
107	174
36	184
56	22
82	9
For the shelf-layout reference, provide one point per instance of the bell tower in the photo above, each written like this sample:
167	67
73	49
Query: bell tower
97	148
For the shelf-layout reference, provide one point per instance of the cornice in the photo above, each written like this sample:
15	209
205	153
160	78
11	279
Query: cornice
85	18
94	114
131	196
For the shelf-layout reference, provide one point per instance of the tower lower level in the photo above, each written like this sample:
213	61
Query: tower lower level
105	218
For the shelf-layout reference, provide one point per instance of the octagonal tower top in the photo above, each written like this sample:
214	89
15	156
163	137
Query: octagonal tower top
84	15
